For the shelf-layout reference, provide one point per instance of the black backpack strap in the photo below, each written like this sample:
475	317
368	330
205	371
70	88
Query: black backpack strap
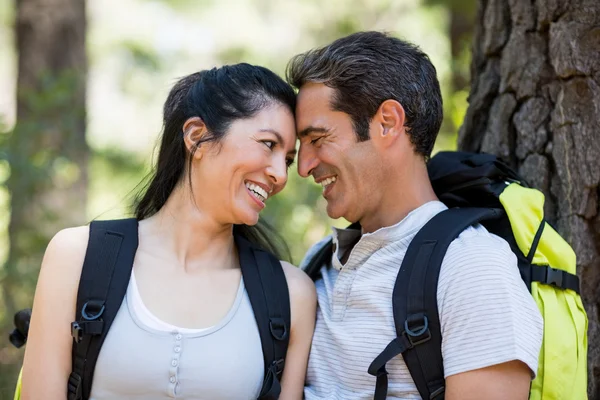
319	255
269	296
104	278
414	301
546	274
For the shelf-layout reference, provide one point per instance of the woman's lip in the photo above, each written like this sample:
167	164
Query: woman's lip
257	201
266	188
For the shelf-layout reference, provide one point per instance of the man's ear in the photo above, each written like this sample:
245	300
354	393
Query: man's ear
389	122
193	132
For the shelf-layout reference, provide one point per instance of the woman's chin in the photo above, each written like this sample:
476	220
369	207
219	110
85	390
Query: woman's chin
249	218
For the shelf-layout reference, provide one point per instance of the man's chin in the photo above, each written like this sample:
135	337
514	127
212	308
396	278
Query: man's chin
336	212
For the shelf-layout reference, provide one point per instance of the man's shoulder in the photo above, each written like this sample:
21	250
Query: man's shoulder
313	251
478	255
476	242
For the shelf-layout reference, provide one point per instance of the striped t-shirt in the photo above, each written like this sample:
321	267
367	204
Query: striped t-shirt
487	316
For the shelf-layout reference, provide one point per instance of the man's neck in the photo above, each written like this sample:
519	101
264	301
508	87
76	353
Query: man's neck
408	191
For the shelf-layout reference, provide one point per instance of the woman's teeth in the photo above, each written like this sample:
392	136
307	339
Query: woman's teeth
257	191
328	181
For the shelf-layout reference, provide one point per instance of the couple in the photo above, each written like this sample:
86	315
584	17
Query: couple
367	114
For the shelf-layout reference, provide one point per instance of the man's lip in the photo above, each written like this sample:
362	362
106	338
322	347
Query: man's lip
329	188
321	179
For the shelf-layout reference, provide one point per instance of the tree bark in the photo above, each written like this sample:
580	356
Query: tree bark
535	101
47	151
460	30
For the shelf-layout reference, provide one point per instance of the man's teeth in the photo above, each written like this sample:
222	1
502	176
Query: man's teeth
328	181
257	191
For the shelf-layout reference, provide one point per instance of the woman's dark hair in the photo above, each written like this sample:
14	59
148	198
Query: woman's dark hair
219	97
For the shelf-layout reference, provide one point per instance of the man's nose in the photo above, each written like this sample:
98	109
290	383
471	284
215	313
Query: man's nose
278	171
307	160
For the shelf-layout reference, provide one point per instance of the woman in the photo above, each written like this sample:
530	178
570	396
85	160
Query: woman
228	140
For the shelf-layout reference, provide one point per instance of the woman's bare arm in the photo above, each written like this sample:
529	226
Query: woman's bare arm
47	363
303	303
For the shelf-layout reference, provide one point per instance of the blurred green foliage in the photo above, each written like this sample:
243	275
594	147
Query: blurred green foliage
142	70
40	161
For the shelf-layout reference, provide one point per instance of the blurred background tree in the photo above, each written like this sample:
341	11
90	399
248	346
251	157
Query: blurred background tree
52	178
45	154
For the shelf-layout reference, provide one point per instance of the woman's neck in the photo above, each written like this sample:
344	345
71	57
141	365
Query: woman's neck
193	239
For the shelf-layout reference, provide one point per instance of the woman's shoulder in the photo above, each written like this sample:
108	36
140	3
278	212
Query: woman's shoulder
67	248
70	240
76	235
300	286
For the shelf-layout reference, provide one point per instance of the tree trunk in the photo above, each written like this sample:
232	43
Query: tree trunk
47	151
535	101
460	32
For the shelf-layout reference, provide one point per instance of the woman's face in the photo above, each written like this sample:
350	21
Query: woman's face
236	176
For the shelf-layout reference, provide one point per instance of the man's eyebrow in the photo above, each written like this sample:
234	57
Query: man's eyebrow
312	129
279	138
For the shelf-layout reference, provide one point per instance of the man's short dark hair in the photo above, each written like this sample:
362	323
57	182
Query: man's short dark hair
367	68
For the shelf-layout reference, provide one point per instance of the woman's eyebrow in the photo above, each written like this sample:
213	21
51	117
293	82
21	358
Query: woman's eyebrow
274	132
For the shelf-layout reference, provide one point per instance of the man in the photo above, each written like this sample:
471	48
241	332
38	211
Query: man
368	113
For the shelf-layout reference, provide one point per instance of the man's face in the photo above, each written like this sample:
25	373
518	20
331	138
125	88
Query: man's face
347	169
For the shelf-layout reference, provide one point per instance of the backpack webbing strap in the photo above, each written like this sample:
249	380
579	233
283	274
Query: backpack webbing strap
269	296
321	257
546	274
377	368
104	278
555	277
414	302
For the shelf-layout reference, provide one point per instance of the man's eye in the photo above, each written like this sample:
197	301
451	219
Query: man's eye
315	140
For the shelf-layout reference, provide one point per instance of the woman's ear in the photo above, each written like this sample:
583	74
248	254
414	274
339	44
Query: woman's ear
193	132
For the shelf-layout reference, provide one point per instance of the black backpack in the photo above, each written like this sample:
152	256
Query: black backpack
104	279
471	185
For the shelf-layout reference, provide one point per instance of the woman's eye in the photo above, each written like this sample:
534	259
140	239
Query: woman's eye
269	143
289	162
315	140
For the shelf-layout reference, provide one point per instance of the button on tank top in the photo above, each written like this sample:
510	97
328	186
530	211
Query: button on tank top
139	361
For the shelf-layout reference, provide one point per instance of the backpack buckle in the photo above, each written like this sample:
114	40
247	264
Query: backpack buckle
74	386
554	277
90	324
278	328
277	366
97	310
76	331
419	333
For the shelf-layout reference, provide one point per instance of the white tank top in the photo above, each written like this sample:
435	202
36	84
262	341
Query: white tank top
147	318
146	358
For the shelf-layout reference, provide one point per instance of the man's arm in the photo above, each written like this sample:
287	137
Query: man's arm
491	327
507	381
